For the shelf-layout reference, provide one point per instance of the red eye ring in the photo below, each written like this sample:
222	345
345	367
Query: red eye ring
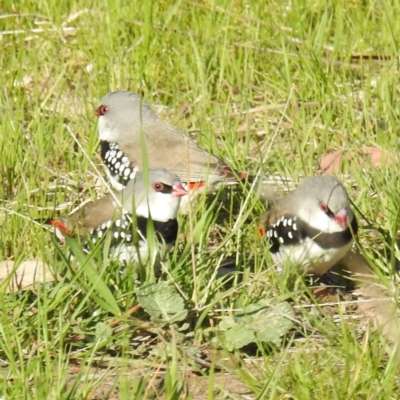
326	210
103	110
158	186
324	207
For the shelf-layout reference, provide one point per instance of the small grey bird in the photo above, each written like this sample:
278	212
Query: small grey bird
127	125
125	214
312	227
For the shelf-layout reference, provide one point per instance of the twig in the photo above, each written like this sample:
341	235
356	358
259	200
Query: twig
38	30
132	310
26	218
258	109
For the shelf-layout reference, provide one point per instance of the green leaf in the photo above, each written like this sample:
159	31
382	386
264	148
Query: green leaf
269	321
103	331
162	302
238	336
264	321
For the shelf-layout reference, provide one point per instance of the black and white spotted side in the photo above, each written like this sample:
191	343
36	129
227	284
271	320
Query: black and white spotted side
127	234
289	230
284	231
117	163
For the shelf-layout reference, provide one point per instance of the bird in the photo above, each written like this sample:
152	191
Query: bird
124	214
312	227
133	137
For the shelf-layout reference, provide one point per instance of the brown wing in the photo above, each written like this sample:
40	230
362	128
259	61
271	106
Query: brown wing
92	215
169	148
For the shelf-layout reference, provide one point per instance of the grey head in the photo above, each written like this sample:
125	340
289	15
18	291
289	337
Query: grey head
122	114
322	201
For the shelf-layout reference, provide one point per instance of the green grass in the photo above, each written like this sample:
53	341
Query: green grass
325	76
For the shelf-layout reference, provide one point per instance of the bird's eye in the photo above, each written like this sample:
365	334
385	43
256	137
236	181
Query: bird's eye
102	110
158	186
326	210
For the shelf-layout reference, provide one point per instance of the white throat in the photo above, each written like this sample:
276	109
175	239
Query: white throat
159	206
105	130
319	220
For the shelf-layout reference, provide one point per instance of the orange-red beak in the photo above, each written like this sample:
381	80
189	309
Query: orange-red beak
59	225
97	112
178	190
341	218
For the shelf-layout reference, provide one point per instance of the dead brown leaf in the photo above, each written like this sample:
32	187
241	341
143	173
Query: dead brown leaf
25	275
332	162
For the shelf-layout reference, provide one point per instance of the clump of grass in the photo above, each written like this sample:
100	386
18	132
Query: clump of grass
267	88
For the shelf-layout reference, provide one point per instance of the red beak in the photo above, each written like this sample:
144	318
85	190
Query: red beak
341	218
97	112
178	190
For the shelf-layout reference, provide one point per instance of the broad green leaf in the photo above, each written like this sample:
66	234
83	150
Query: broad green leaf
103	331
162	302
264	321
238	336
